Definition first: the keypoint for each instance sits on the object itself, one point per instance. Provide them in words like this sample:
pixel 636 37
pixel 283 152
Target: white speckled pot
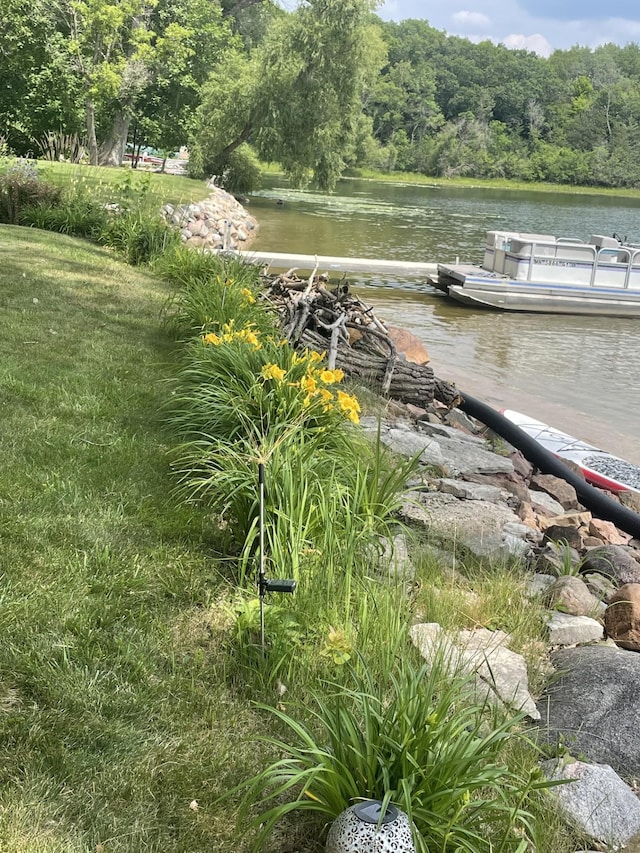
pixel 356 831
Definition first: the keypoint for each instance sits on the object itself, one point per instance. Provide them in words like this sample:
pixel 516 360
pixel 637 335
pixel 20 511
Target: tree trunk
pixel 223 156
pixel 91 131
pixel 112 150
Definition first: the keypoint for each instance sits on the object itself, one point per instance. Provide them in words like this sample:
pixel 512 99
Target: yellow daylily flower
pixel 272 371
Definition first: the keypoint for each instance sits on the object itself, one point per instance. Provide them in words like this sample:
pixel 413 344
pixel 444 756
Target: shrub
pixel 78 217
pixel 22 188
pixel 138 237
pixel 414 739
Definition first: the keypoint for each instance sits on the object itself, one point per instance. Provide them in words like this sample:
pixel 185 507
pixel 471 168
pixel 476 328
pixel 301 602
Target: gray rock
pixel 477 525
pixel 439 430
pixel 463 457
pixel 614 561
pixel 566 630
pixel 456 418
pixel 408 443
pixel 539 584
pixel 571 595
pixel 541 500
pixel 473 491
pixel 594 705
pixel 500 674
pixel 391 559
pixel 597 801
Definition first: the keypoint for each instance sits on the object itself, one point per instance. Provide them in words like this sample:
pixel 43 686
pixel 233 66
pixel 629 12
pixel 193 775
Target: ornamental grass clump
pixel 413 738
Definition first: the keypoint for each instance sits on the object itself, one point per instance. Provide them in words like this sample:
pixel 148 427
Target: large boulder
pixel 594 705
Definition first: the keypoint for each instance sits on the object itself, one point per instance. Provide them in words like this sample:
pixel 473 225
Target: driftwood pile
pixel 333 320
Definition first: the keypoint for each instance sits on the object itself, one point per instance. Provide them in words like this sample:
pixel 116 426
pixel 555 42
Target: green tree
pixel 297 97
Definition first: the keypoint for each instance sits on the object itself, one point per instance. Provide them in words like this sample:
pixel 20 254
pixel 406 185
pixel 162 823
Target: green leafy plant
pixel 414 739
pixel 139 237
pixel 21 188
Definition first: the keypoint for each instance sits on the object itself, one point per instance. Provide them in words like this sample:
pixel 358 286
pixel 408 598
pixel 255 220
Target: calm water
pixel 581 374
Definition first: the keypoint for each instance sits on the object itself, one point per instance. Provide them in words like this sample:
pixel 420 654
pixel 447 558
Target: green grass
pixel 114 715
pixel 101 180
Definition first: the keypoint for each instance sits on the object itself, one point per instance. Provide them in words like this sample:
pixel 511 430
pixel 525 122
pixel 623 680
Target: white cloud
pixel 472 20
pixel 536 43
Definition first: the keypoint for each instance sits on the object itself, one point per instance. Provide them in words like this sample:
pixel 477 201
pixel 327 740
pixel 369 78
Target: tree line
pixel 322 89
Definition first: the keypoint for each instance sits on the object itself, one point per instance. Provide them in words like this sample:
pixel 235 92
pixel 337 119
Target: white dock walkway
pixel 286 261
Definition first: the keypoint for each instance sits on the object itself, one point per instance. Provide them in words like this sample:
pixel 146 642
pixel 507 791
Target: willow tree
pixel 298 96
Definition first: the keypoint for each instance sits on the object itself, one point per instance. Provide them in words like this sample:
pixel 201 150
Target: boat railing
pixel 544 254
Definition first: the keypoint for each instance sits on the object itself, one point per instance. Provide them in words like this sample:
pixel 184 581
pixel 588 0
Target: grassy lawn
pixel 113 707
pixel 102 181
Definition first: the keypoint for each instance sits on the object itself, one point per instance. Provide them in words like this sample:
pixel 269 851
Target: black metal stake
pixel 265 585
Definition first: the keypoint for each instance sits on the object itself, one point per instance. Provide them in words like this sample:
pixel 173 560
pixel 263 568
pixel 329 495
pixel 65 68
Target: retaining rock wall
pixel 218 222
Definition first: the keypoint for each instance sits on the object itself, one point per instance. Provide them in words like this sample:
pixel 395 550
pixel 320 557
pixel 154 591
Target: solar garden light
pixel 365 828
pixel 265 584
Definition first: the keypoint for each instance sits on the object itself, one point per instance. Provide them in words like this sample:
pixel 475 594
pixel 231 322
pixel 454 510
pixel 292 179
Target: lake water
pixel 581 374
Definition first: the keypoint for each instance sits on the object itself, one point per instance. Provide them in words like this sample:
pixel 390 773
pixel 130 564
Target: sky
pixel 538 25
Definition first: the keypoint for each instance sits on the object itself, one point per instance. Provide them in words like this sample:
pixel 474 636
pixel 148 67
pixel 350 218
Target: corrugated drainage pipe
pixel 592 498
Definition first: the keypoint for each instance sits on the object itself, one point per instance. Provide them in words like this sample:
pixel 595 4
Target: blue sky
pixel 539 25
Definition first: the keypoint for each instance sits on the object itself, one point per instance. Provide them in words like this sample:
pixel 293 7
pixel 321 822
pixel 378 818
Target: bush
pixel 77 217
pixel 22 188
pixel 138 237
pixel 414 739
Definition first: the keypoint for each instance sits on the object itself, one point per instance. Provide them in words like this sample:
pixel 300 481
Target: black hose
pixel 592 498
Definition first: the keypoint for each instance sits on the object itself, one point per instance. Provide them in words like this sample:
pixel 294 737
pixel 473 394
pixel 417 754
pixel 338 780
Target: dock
pixel 325 263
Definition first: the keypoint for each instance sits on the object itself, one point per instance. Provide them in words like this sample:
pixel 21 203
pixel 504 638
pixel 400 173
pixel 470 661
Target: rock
pixel 202 224
pixel 570 595
pixel 554 557
pixel 501 675
pixel 408 345
pixel 392 560
pixel 614 561
pixel 511 482
pixel 545 504
pixel 440 430
pixel 521 465
pixel 630 499
pixel 456 418
pixel 559 489
pixel 597 801
pixel 433 642
pixel 566 630
pixel 477 525
pixel 622 617
pixel 608 532
pixel 560 533
pixel 539 584
pixel 593 705
pixel 599 585
pixel 406 442
pixel 567 519
pixel 473 491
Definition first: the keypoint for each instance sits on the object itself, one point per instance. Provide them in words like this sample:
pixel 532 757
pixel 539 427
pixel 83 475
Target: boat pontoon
pixel 540 272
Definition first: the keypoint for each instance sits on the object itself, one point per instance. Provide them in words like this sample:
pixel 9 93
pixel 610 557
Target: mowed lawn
pixel 118 729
